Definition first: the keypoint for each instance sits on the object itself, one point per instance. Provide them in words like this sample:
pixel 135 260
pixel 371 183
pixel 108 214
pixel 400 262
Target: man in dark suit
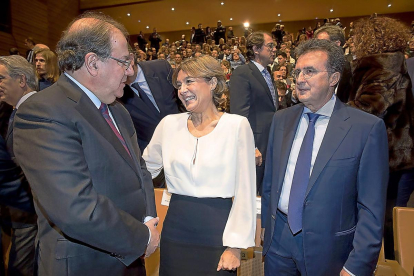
pixel 336 34
pixel 149 96
pixel 253 95
pixel 18 83
pixel 78 149
pixel 326 177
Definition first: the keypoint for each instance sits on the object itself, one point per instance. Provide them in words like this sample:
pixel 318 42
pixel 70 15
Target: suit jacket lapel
pixel 91 114
pixel 258 75
pixel 288 136
pixel 337 129
pixel 154 85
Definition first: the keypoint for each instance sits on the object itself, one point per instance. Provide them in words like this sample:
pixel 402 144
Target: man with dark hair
pixel 336 34
pixel 18 83
pixel 253 95
pixel 78 149
pixel 325 183
pixel 29 43
pixel 200 35
pixel 141 41
pixel 155 40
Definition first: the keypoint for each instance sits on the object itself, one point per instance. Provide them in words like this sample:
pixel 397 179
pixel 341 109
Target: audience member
pixel 14 51
pixel 155 40
pixel 47 70
pixel 220 33
pixel 78 149
pixel 381 86
pixel 200 35
pixel 253 95
pixel 29 43
pixel 18 83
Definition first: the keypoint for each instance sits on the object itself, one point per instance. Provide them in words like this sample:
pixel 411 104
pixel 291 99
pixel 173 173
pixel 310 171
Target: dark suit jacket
pixel 13 182
pixel 343 212
pixel 158 74
pixel 91 197
pixel 410 69
pixel 250 97
pixel 345 83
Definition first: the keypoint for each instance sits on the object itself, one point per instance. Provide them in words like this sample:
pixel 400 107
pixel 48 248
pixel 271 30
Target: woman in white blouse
pixel 209 163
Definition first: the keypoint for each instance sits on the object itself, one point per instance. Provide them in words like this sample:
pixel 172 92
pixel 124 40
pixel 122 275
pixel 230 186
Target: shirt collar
pixel 140 75
pixel 25 97
pixel 258 65
pixel 91 96
pixel 325 110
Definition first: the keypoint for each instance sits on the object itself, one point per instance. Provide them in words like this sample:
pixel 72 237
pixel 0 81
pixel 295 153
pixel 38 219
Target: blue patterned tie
pixel 301 177
pixel 268 79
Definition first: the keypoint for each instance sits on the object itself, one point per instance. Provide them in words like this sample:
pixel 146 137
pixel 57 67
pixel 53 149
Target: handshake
pixel 155 236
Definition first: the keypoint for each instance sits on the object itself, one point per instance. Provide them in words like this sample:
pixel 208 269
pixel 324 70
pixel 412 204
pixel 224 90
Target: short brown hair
pixel 205 67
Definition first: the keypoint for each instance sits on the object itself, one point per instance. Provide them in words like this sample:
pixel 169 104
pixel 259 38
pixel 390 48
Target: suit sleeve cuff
pixel 350 273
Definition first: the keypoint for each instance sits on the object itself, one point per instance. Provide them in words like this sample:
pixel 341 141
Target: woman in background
pixel 382 87
pixel 209 162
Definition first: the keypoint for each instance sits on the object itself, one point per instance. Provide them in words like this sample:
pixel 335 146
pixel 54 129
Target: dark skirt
pixel 192 236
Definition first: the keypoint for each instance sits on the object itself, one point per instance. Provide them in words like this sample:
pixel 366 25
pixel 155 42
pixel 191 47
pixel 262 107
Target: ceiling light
pixel 278 14
pixel 231 18
pixel 128 14
pixel 246 24
pixel 316 18
pixel 280 20
pixel 331 10
pixel 147 27
pixel 139 21
pixel 222 3
pixel 172 9
pixel 187 23
pixel 389 5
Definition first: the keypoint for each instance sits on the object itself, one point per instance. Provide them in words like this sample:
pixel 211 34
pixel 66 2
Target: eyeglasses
pixel 307 73
pixel 270 46
pixel 124 63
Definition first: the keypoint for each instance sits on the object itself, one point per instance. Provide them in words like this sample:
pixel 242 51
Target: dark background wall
pixel 44 20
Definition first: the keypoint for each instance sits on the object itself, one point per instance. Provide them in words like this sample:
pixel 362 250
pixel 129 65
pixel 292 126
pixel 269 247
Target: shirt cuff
pixel 350 273
pixel 146 219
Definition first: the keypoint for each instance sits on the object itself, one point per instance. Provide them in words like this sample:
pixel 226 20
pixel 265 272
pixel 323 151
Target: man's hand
pixel 229 260
pixel 259 158
pixel 344 273
pixel 262 233
pixel 155 236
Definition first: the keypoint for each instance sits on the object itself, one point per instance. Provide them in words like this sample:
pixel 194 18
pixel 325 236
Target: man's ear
pixel 91 63
pixel 256 50
pixel 334 78
pixel 22 81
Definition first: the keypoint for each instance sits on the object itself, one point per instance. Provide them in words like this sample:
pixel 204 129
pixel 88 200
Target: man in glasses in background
pixel 254 96
pixel 78 148
pixel 326 176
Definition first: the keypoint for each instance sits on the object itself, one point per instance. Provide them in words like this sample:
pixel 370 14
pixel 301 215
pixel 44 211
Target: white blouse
pixel 218 164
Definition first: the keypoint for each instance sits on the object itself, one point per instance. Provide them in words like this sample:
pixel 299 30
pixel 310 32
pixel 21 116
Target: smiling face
pixel 314 92
pixel 195 93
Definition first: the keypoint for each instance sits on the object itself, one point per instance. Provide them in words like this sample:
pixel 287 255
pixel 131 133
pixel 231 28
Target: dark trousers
pixel 259 178
pixel 285 255
pixel 400 187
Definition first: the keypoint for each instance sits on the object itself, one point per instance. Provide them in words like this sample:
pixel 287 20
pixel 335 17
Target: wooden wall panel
pixel 44 20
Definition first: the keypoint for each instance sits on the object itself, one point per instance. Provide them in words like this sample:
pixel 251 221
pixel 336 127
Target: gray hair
pixel 18 66
pixel 336 59
pixel 95 37
pixel 205 67
pixel 335 33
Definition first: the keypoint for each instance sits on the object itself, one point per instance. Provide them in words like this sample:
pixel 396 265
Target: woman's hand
pixel 229 260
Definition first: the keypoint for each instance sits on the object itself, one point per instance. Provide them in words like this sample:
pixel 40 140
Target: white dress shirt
pixel 320 129
pixel 220 164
